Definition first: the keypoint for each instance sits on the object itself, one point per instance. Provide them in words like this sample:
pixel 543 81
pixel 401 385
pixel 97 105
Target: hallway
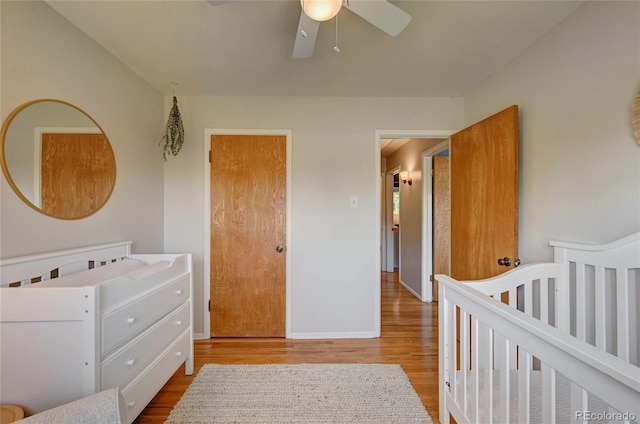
pixel 409 337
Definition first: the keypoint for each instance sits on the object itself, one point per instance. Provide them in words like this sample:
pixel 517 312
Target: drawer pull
pixel 179 292
pixel 179 322
pixel 130 404
pixel 130 362
pixel 131 320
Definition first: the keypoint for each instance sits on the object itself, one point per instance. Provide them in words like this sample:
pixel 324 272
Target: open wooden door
pixel 248 235
pixel 441 218
pixel 484 197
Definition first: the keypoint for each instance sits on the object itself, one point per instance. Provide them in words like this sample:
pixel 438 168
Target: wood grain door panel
pixel 248 222
pixel 78 172
pixel 441 218
pixel 484 196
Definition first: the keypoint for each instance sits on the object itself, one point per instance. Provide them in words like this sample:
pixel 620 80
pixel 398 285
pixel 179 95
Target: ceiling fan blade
pixel 389 18
pixel 303 47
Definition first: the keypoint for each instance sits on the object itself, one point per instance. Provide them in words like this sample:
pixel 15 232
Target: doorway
pixel 210 251
pixel 498 173
pixel 395 221
pixel 390 217
pixel 384 186
pixel 437 207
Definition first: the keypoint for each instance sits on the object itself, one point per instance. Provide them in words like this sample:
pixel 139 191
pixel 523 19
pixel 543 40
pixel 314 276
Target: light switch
pixel 353 202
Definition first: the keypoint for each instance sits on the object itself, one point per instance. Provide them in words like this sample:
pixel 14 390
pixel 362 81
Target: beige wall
pixel 44 56
pixel 161 206
pixel 579 162
pixel 334 248
pixel 580 166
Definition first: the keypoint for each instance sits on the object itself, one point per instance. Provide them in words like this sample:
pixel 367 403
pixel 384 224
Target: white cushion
pixel 106 407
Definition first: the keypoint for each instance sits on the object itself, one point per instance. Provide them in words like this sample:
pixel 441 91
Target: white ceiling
pixel 243 48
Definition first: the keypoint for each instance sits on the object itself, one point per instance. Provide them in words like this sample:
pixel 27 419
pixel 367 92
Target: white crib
pixel 98 317
pixel 549 342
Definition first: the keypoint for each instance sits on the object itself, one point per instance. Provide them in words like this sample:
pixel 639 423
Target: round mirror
pixel 57 159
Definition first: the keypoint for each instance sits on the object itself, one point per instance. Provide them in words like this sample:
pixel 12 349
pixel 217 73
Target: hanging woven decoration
pixel 174 132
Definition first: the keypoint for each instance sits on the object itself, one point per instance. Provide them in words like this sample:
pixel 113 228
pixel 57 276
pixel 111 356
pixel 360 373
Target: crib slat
pixel 504 345
pixel 513 298
pixel 489 368
pixel 453 352
pixel 475 370
pixel 600 309
pixel 447 355
pixel 464 357
pixel 528 298
pixel 548 393
pixel 544 300
pixel 579 401
pixel 581 307
pixel 524 386
pixel 562 298
pixel 623 313
pixel 513 302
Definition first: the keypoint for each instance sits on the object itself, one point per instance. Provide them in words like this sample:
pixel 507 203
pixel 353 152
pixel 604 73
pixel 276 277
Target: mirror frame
pixel 5 168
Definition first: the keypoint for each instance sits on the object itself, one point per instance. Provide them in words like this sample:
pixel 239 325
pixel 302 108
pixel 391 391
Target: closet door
pixel 248 235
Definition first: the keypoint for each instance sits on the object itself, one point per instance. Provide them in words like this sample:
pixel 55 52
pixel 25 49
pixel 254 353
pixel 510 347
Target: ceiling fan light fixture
pixel 321 10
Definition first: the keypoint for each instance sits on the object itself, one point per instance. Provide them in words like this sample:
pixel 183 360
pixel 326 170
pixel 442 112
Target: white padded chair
pixel 106 407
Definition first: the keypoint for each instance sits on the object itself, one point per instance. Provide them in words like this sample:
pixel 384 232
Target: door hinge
pixel 432 172
pixel 209 305
pixel 432 278
pixel 209 156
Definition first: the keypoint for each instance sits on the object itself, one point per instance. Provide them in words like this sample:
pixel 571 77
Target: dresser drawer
pixel 124 364
pixel 141 391
pixel 122 324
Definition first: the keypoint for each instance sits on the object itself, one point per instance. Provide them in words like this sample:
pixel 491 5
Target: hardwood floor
pixel 409 337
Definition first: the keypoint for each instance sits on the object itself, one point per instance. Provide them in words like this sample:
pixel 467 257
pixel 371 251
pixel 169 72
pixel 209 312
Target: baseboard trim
pixel 345 335
pixel 413 292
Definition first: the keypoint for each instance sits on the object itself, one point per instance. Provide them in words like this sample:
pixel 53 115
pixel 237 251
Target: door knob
pixel 504 261
pixel 280 249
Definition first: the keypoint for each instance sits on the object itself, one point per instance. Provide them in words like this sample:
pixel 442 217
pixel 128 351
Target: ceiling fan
pixel 381 13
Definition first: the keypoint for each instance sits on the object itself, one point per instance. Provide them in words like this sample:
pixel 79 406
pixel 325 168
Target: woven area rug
pixel 300 393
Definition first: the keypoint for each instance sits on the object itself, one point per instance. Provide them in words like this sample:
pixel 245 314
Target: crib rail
pixel 520 286
pixel 23 270
pixel 591 292
pixel 602 294
pixel 480 340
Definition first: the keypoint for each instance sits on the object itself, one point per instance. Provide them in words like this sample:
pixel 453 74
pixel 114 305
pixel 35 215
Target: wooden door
pixel 78 172
pixel 441 218
pixel 484 196
pixel 248 233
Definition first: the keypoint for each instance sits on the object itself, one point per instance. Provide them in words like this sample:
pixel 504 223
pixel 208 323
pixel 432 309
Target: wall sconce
pixel 321 10
pixel 404 176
